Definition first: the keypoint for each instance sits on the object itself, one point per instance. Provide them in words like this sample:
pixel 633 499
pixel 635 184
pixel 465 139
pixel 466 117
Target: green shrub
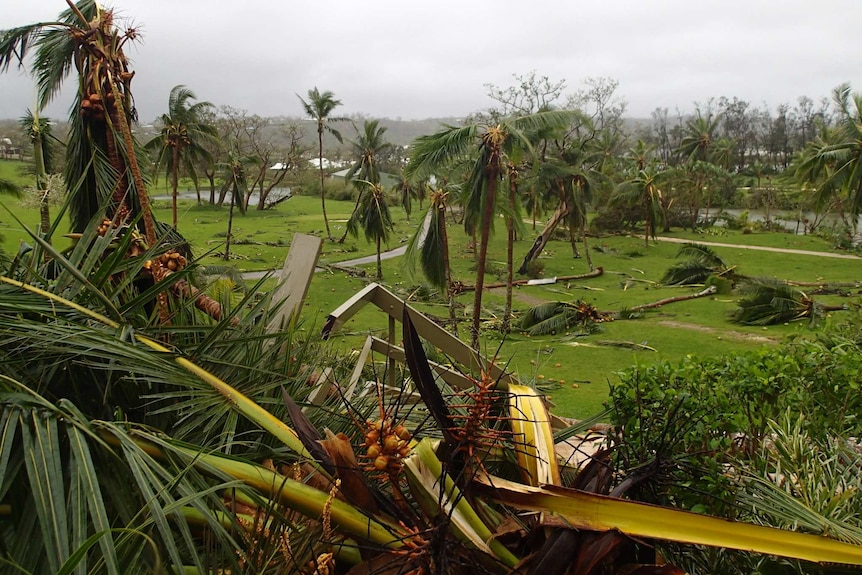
pixel 683 423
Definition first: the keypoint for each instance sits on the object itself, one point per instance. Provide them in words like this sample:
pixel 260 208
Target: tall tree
pixel 180 144
pixel 835 162
pixel 236 184
pixel 319 108
pixel 642 189
pixel 694 149
pixel 489 146
pixel 373 218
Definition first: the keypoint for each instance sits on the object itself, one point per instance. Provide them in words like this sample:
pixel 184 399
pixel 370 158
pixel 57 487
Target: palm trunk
pixel 447 271
pixel 379 266
pixel 535 209
pixel 119 201
pixel 647 223
pixel 573 241
pixel 229 225
pixel 320 167
pixel 211 178
pixel 539 244
pixel 41 183
pixel 174 183
pixel 143 199
pixel 510 246
pixel 586 247
pixel 488 213
pixel 703 293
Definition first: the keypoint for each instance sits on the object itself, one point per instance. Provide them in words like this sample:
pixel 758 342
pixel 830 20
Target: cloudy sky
pixel 419 59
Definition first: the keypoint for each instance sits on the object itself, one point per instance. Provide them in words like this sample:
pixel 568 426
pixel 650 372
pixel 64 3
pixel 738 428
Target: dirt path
pixel 729 334
pixel 761 248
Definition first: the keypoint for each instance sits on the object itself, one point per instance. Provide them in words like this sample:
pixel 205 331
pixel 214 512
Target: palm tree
pixel 319 107
pixel 643 189
pixel 834 162
pixel 493 145
pixel 101 162
pixel 405 191
pixel 236 184
pixel 513 224
pixel 695 146
pixel 181 144
pixel 373 217
pixel 698 137
pixel 38 131
pixel 431 242
pixel 368 146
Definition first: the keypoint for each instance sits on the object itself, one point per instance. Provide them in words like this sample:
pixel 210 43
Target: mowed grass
pixel 574 370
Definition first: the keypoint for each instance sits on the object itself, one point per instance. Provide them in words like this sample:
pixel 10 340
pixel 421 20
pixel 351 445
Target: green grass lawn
pixel 585 364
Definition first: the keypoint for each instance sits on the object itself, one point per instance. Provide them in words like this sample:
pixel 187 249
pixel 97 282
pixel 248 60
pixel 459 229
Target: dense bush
pixel 681 423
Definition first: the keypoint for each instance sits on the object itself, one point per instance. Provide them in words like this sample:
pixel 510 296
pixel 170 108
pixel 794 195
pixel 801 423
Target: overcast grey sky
pixel 419 59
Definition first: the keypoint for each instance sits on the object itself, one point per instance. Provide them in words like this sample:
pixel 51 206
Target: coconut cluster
pixel 169 260
pixel 93 107
pixel 386 445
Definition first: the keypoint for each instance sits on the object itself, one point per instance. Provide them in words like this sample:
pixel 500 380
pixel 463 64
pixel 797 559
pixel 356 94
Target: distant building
pixel 8 151
pixel 327 164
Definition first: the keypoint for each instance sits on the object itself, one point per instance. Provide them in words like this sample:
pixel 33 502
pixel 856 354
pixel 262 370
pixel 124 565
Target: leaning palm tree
pixel 373 218
pixel 319 108
pixel 702 262
pixel 493 144
pixel 770 302
pixel 181 144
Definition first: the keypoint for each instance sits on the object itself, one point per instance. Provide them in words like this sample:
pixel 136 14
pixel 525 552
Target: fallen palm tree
pixel 459 288
pixel 557 317
pixel 707 291
pixel 770 302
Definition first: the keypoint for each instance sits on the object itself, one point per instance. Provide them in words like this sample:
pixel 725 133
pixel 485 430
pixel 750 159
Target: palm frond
pixel 435 151
pixel 769 302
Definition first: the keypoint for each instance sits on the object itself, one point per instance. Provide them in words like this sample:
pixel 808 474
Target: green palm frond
pixel 804 483
pixel 701 253
pixel 702 262
pixel 436 151
pixel 10 188
pixel 770 302
pixel 432 264
pixel 558 317
pixel 688 272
